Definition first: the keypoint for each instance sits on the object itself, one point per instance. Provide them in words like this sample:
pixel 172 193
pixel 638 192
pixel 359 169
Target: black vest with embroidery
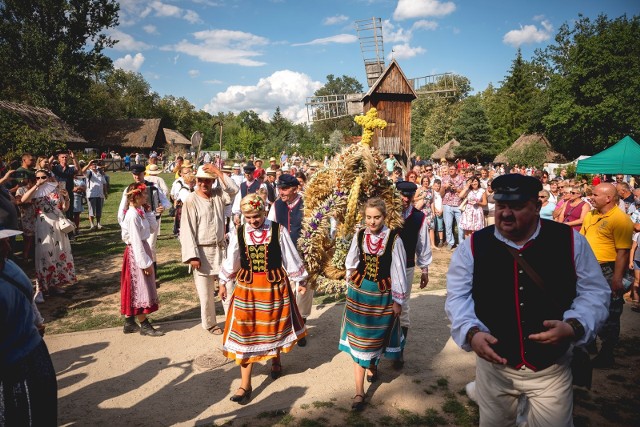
pixel 373 267
pixel 290 219
pixel 409 234
pixel 263 258
pixel 271 192
pixel 510 303
pixel 154 198
pixel 244 189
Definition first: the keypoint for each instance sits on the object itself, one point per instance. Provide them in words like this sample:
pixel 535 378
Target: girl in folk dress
pixel 473 216
pixel 424 201
pixel 376 290
pixel 263 319
pixel 138 295
pixel 54 261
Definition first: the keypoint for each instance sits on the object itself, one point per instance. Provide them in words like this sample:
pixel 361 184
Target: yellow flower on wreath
pixel 369 123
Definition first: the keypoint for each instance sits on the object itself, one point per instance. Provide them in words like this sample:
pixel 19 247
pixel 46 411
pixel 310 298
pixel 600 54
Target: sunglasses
pixel 575 192
pixel 428 170
pixel 42 177
pixel 543 197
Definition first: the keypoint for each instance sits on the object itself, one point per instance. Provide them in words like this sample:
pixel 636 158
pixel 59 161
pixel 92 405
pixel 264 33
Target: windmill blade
pixel 372 47
pixel 435 85
pixel 333 106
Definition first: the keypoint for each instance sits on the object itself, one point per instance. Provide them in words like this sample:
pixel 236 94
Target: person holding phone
pixel 65 172
pixel 53 258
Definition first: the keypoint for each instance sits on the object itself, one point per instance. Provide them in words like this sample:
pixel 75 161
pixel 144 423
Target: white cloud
pixel 423 24
pixel 150 29
pixel 131 11
pixel 125 41
pixel 194 73
pixel 411 9
pixel 285 89
pixel 334 20
pixel 529 34
pixel 340 38
pixel 129 63
pixel 404 51
pixel 223 47
pixel 391 35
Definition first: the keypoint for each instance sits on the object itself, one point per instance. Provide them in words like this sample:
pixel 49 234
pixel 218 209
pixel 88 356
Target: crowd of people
pixel 238 225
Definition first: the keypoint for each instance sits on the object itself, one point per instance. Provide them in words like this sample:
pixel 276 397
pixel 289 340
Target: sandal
pixel 358 405
pixel 215 330
pixel 276 370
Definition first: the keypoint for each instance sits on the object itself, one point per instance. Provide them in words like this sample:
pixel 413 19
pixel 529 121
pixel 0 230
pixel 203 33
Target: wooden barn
pixel 392 95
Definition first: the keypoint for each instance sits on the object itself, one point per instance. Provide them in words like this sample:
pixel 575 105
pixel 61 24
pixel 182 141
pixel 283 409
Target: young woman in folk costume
pixel 376 290
pixel 138 295
pixel 263 319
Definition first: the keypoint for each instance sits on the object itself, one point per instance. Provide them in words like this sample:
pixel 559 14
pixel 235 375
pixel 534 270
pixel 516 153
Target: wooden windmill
pixel 390 92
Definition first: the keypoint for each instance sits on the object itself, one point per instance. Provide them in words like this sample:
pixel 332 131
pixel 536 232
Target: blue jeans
pixel 450 213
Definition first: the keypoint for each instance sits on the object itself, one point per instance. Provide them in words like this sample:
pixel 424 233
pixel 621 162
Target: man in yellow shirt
pixel 609 231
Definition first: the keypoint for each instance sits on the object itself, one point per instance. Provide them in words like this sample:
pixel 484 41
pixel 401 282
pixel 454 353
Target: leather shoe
pixel 358 405
pixel 147 329
pixel 276 370
pixel 243 398
pixel 302 342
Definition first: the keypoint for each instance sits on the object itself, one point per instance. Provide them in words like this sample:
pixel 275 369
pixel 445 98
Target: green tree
pixel 594 85
pixel 50 49
pixel 471 129
pixel 18 138
pixel 338 86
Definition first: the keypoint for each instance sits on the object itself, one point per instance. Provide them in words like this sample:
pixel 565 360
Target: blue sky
pixel 234 55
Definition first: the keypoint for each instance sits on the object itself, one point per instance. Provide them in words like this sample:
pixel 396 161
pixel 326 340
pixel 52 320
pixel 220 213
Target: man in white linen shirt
pixel 202 236
pixel 522 318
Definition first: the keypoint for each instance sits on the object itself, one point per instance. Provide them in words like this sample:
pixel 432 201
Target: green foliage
pixel 594 88
pixel 338 86
pixel 18 138
pixel 50 50
pixel 471 129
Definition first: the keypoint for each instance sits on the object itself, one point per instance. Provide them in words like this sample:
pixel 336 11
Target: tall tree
pixel 594 89
pixel 51 48
pixel 338 86
pixel 471 129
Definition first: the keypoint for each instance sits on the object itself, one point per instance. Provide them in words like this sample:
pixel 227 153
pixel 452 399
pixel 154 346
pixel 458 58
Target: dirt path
pixel 107 378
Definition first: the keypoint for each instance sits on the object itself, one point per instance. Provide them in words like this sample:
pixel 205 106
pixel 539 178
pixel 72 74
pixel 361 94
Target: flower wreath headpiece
pixel 139 189
pixel 252 203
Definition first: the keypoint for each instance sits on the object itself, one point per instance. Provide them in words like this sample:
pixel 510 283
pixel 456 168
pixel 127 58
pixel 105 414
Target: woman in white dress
pixel 53 258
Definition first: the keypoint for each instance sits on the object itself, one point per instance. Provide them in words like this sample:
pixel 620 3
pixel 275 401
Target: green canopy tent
pixel 623 157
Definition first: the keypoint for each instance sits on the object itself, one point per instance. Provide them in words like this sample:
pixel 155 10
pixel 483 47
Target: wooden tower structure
pixel 391 94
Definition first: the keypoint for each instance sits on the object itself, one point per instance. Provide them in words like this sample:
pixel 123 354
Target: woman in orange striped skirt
pixel 376 291
pixel 263 319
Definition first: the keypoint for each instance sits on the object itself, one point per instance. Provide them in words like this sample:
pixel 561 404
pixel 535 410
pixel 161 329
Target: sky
pixel 235 55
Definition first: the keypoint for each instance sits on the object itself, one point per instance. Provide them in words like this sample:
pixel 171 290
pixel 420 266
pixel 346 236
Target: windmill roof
pixel 385 74
pixel 175 137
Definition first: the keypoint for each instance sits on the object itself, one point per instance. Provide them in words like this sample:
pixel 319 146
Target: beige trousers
pixel 549 393
pixel 404 316
pixel 304 302
pixel 206 286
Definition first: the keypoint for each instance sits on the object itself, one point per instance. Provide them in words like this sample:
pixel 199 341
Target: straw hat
pixel 153 170
pixel 204 174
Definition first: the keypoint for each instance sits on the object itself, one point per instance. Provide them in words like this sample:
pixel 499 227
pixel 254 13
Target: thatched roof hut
pixel 447 151
pixel 133 134
pixel 175 141
pixel 44 120
pixel 530 142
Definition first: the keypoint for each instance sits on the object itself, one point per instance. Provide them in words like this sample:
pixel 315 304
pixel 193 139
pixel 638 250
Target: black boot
pixel 147 329
pixel 130 325
pixel 303 341
pixel 399 364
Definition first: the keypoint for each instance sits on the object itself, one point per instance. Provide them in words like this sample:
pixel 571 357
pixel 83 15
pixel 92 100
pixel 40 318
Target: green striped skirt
pixel 369 328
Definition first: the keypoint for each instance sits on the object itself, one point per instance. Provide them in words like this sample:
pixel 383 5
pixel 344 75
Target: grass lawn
pixel 94 302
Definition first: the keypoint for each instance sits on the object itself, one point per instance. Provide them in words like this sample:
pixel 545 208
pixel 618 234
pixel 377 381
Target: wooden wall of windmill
pixel 392 95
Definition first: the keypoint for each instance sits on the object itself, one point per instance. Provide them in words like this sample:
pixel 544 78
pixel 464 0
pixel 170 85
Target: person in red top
pixel 596 180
